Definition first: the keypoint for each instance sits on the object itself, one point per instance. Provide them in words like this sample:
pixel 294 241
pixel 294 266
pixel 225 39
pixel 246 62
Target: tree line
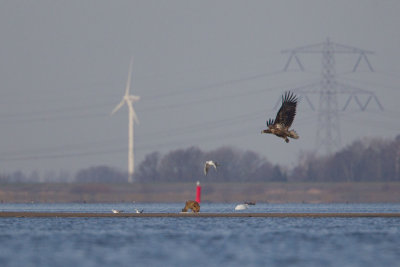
pixel 187 165
pixel 362 161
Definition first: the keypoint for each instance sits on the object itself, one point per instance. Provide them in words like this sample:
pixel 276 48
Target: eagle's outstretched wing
pixel 270 122
pixel 206 167
pixel 287 112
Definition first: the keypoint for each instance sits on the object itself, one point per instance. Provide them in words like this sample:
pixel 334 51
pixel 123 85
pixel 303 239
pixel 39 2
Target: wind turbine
pixel 129 99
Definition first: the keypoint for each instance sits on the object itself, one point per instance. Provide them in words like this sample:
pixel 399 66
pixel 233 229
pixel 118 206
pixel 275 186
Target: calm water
pixel 200 241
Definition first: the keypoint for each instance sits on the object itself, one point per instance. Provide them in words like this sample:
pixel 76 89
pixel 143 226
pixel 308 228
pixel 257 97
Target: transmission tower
pixel 328 89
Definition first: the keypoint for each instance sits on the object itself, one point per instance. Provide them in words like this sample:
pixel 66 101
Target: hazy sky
pixel 208 73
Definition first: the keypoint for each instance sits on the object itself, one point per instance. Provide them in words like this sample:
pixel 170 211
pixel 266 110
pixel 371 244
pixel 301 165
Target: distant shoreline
pixel 372 192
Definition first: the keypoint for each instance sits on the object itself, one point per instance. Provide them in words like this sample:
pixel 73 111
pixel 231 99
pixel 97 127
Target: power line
pixel 219 98
pixel 38 154
pixel 214 85
pixel 49 115
pixel 374 84
pixel 53 118
pixel 53 111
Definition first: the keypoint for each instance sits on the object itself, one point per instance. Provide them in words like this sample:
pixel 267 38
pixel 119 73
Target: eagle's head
pixel 266 131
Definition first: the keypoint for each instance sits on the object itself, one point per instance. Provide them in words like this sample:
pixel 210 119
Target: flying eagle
pixel 208 164
pixel 284 118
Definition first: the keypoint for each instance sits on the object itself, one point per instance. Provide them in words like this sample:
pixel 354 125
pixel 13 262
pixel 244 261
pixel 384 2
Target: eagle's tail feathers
pixel 293 134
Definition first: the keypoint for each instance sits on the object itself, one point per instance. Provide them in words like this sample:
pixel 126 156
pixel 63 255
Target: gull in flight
pixel 208 164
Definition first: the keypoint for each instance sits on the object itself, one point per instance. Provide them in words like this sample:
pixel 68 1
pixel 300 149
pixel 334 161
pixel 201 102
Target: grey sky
pixel 64 64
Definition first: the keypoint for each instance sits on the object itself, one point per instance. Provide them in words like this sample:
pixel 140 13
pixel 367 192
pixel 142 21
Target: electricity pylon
pixel 328 89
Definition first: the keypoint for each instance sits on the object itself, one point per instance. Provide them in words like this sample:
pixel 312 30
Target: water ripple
pixel 203 241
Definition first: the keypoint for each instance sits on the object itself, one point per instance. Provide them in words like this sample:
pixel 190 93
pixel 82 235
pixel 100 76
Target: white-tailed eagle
pixel 284 119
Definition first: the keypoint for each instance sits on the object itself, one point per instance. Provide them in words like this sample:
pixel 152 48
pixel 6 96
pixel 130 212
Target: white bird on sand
pixel 208 164
pixel 241 207
pixel 139 211
pixel 116 211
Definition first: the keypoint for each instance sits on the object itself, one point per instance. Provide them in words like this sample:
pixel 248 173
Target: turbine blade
pixel 128 82
pixel 118 107
pixel 135 116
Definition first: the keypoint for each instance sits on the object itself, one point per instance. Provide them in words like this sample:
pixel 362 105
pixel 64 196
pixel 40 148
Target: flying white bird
pixel 208 164
pixel 241 207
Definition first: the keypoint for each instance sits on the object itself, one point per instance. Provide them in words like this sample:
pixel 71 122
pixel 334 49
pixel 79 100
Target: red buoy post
pixel 198 192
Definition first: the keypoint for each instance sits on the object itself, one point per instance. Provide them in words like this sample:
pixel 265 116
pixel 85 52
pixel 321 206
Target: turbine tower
pixel 129 99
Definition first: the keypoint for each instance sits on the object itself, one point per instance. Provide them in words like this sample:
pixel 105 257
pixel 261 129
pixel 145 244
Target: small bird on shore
pixel 241 207
pixel 116 211
pixel 139 211
pixel 284 118
pixel 208 164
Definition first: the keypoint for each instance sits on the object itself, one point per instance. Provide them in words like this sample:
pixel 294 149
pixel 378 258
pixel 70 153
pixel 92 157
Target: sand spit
pixel 206 214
